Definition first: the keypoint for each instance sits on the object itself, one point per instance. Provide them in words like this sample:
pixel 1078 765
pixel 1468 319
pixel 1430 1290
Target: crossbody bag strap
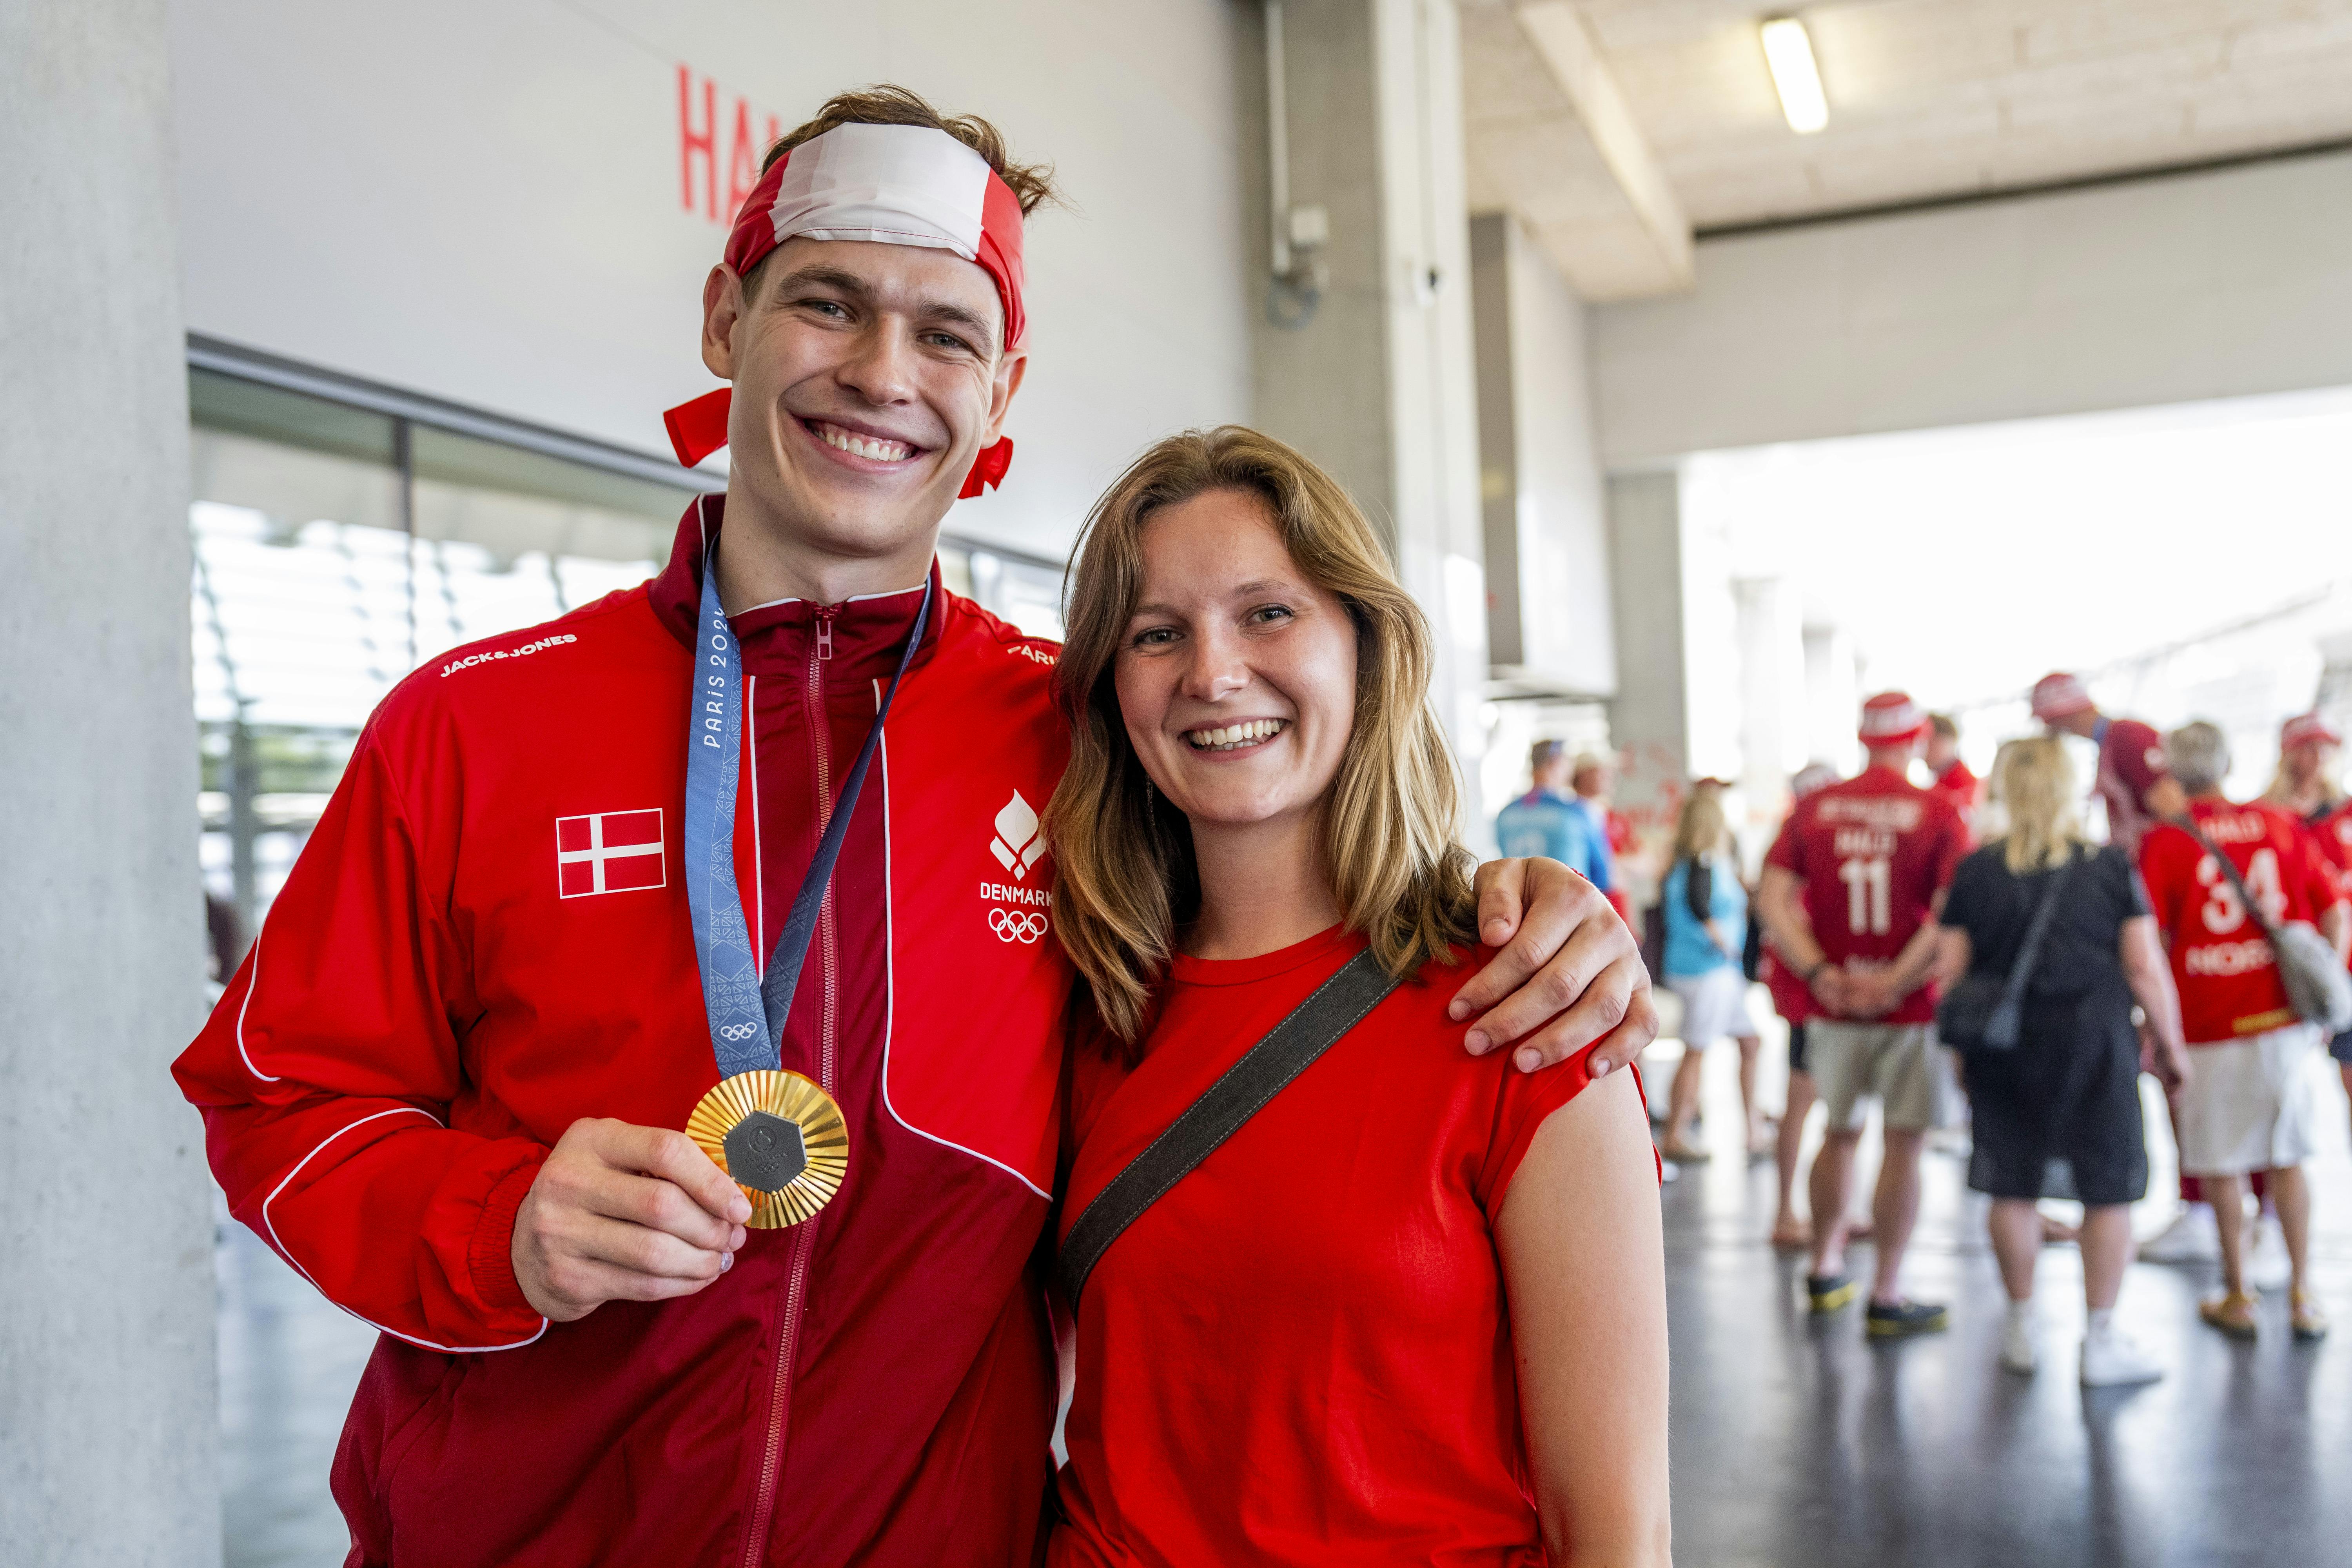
pixel 1289 1048
pixel 2021 971
pixel 2246 900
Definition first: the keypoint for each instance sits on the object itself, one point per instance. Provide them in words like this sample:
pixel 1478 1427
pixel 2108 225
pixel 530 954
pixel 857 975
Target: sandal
pixel 2310 1322
pixel 2233 1312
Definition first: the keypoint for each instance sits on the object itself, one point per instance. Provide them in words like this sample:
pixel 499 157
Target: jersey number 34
pixel 2222 911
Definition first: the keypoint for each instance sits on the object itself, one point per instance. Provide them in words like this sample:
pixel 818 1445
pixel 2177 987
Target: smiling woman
pixel 1341 654
pixel 1344 1294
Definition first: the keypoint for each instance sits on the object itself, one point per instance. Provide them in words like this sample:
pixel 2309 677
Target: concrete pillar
pixel 1772 703
pixel 1649 718
pixel 1377 384
pixel 1549 627
pixel 109 1421
pixel 1832 698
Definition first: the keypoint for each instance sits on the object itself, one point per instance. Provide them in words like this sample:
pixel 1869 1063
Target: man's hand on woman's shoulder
pixel 1568 973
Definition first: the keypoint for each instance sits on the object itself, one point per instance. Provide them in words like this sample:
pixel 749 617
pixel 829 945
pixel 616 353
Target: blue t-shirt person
pixel 1603 869
pixel 1547 821
pixel 1688 950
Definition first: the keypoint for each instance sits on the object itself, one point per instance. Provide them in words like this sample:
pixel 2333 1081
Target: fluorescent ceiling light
pixel 1788 51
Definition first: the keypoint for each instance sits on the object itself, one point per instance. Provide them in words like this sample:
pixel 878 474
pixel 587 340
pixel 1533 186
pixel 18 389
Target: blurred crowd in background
pixel 1993 965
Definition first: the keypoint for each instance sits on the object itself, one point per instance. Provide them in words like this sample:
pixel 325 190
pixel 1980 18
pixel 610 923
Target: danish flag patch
pixel 608 852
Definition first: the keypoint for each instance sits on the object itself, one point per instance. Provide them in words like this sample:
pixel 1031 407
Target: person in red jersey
pixel 1850 894
pixel 2248 1104
pixel 2132 779
pixel 2133 783
pixel 1411 1310
pixel 2306 787
pixel 1949 776
pixel 448 1082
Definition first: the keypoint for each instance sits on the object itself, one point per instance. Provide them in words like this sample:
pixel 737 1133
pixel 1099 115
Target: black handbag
pixel 1987 1013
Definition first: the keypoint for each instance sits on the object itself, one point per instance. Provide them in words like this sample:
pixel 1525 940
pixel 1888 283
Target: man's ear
pixel 1005 383
pixel 722 307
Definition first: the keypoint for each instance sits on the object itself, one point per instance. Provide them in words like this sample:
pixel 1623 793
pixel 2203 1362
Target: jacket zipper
pixel 780 1395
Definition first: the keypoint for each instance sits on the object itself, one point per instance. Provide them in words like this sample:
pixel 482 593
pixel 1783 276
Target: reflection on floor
pixel 1796 1443
pixel 289 1362
pixel 1802 1444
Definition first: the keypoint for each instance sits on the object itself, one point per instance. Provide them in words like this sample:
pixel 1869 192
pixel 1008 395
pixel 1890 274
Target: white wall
pixel 480 199
pixel 2163 290
pixel 1563 536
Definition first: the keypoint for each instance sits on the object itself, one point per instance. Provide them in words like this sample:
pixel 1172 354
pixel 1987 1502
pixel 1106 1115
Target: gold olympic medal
pixel 779 1137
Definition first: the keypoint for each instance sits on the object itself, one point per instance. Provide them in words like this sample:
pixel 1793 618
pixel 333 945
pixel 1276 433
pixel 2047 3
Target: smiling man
pixel 511 1002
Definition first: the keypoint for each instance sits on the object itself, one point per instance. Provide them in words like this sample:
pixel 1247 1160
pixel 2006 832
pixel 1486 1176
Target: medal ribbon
pixel 747 1011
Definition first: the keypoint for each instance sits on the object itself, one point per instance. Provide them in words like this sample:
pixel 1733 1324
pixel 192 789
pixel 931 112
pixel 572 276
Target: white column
pixel 1377 384
pixel 1772 702
pixel 109 1421
pixel 1548 624
pixel 1832 698
pixel 1650 717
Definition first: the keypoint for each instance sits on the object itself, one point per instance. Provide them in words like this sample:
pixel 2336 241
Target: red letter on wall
pixel 688 143
pixel 742 160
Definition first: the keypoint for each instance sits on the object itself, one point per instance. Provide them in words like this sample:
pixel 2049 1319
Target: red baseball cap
pixel 2057 695
pixel 1891 718
pixel 2304 728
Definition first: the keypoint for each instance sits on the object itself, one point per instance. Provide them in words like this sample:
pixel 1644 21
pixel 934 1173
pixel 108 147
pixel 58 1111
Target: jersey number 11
pixel 1869 894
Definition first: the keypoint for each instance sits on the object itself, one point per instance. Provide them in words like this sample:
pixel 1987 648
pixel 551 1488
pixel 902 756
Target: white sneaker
pixel 2191 1238
pixel 2113 1359
pixel 2268 1268
pixel 2018 1351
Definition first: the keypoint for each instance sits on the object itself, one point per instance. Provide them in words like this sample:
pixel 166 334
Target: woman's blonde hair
pixel 1124 874
pixel 2281 792
pixel 1700 830
pixel 2033 781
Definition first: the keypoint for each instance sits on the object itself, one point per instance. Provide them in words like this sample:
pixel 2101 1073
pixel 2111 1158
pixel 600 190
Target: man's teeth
pixel 1233 736
pixel 872 447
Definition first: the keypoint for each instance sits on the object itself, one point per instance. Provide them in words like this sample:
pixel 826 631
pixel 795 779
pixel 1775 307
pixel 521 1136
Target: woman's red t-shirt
pixel 1302 1353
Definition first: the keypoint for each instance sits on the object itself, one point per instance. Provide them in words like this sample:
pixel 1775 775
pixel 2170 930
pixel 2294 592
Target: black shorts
pixel 1797 1047
pixel 2340 1047
pixel 2059 1116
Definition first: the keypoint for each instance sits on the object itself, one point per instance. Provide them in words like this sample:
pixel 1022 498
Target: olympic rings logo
pixel 1016 925
pixel 738 1031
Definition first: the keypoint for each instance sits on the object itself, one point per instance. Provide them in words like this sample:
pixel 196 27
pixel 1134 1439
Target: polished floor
pixel 1797 1444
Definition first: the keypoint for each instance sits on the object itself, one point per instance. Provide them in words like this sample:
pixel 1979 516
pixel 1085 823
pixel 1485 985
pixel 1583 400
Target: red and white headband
pixel 896 184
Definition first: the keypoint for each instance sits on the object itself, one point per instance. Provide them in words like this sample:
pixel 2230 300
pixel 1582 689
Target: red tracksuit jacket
pixel 487 938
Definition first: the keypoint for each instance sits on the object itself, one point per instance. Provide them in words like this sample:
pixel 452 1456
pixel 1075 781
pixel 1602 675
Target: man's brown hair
pixel 885 103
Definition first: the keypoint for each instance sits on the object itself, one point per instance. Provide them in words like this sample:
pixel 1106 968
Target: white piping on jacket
pixel 269 1226
pixel 252 983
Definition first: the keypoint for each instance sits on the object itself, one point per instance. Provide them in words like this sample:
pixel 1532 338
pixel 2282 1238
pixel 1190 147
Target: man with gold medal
pixel 735 875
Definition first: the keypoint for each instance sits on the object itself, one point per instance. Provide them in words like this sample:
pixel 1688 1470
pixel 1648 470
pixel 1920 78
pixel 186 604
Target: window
pixel 345 535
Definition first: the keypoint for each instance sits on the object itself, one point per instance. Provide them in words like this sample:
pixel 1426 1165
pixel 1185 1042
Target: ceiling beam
pixel 1557 31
